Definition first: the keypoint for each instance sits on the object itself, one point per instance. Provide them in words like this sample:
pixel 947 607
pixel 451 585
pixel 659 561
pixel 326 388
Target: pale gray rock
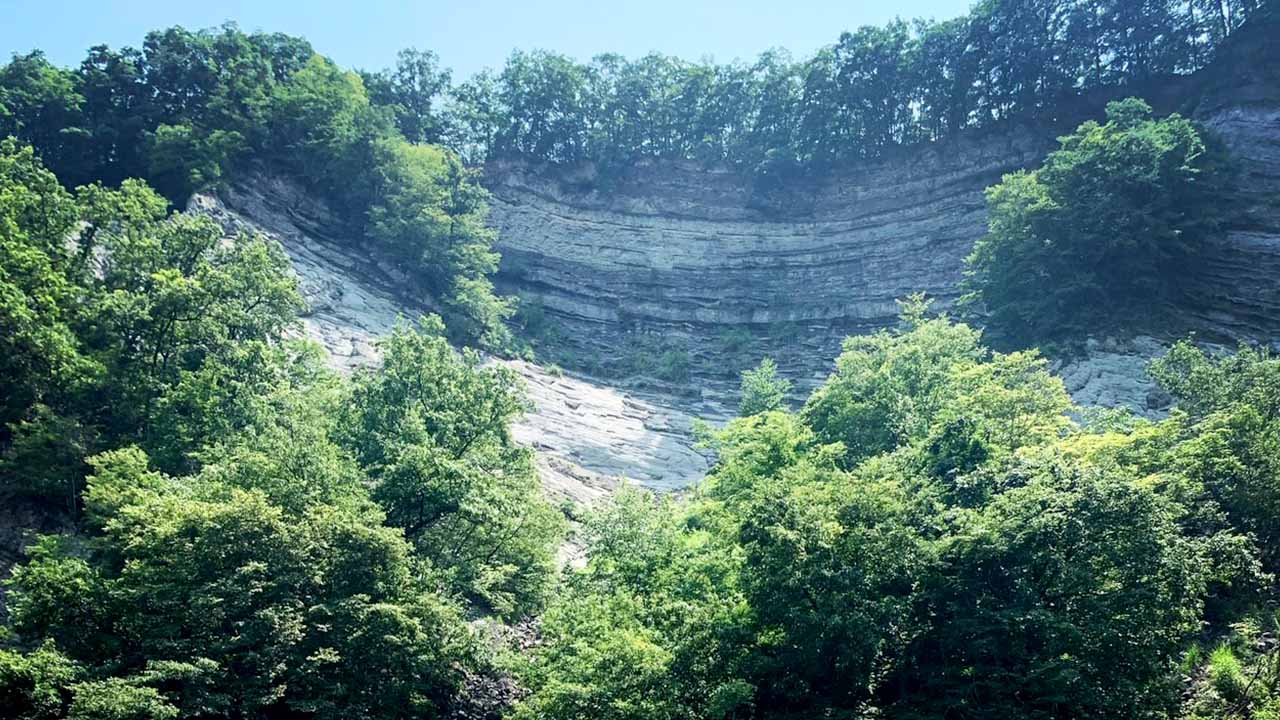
pixel 1112 373
pixel 589 437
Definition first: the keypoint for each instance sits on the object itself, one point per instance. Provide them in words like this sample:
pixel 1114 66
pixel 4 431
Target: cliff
pixel 587 434
pixel 690 255
pixel 681 258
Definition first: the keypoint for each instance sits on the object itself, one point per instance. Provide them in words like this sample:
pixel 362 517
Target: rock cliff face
pixel 686 258
pixel 680 250
pixel 688 254
pixel 588 435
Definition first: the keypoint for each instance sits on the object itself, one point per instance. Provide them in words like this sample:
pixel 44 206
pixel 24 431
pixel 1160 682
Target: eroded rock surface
pixel 683 252
pixel 695 257
pixel 588 436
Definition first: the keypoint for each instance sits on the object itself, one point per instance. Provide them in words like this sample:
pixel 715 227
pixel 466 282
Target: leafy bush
pixel 762 390
pixel 1109 226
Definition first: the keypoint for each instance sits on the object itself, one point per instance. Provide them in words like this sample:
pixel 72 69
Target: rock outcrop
pixel 681 251
pixel 692 257
pixel 588 436
pixel 687 253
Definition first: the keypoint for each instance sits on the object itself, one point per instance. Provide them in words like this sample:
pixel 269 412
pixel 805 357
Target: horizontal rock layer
pixel 687 254
pixel 587 435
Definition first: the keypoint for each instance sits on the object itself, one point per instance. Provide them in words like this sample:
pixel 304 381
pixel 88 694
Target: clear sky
pixel 467 34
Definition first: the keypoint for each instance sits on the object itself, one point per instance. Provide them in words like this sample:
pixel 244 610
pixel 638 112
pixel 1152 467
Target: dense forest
pixel 936 531
pixel 181 109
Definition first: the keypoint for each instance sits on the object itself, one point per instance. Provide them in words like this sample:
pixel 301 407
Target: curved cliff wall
pixel 686 254
pixel 681 251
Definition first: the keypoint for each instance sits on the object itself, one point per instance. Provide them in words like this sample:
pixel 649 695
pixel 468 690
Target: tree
pixel 1068 596
pixel 39 280
pixel 431 428
pixel 200 598
pixel 762 390
pixel 830 571
pixel 1115 218
pixel 42 106
pixel 431 219
pixel 187 326
pixel 1232 435
pixel 324 128
pixel 412 89
pixel 888 386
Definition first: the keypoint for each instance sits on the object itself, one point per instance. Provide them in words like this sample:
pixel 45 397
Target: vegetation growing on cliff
pixel 874 89
pixel 1110 226
pixel 934 533
pixel 191 109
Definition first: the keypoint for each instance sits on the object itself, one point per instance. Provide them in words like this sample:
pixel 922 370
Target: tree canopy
pixel 933 535
pixel 1116 218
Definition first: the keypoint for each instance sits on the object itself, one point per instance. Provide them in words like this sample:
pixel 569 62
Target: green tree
pixel 40 278
pixel 431 428
pixel 1232 435
pixel 412 88
pixel 187 325
pixel 762 390
pixel 42 106
pixel 210 599
pixel 431 219
pixel 1115 218
pixel 1068 596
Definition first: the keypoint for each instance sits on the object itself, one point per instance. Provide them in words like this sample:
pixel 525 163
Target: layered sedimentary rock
pixel 684 252
pixel 698 260
pixel 588 436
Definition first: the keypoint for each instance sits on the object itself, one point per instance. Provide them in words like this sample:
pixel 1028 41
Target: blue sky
pixel 468 35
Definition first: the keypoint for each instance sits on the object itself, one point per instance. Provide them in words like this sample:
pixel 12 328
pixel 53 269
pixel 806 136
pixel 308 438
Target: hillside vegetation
pixel 936 531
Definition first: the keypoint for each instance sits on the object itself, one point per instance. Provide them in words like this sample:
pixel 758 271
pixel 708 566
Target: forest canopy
pixel 191 109
pixel 932 535
pixel 249 533
pixel 229 529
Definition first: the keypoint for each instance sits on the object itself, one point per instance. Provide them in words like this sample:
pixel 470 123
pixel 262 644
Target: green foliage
pixel 1113 219
pixel 256 536
pixel 411 89
pixel 42 105
pixel 762 390
pixel 181 161
pixel 892 389
pixel 931 536
pixel 1074 590
pixel 431 430
pixel 117 699
pixel 1225 674
pixel 35 685
pixel 326 130
pixel 649 629
pixel 431 219
pixel 126 325
pixel 39 275
pixel 649 354
pixel 1233 448
pixel 222 600
pixel 194 110
pixel 872 90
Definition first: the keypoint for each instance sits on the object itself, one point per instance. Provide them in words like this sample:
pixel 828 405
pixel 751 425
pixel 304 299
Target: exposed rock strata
pixel 682 252
pixel 688 255
pixel 588 436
